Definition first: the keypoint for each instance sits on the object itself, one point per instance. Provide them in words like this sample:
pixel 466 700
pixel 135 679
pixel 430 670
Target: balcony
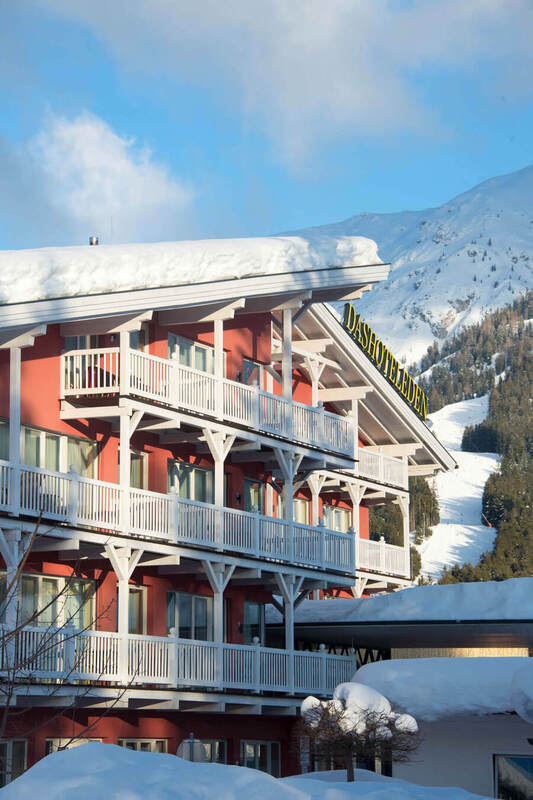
pixel 382 558
pixel 46 653
pixel 382 469
pixel 94 373
pixel 95 504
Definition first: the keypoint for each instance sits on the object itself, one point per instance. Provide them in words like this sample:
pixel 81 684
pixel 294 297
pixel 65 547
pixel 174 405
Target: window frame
pixel 64 439
pixel 60 613
pixel 261 607
pixel 262 485
pixel 257 743
pixel 335 510
pixel 122 742
pixel 173 480
pixel 209 615
pixel 7 774
pixel 495 758
pixel 212 743
pixel 174 353
pixel 53 743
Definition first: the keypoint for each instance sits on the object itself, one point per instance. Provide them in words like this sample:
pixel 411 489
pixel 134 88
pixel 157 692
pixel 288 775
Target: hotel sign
pixel 382 358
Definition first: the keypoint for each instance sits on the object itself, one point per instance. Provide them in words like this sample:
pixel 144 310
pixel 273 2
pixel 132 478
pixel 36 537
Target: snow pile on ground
pixel 108 772
pixel 433 688
pixel 491 600
pixel 449 264
pixel 460 536
pixel 66 271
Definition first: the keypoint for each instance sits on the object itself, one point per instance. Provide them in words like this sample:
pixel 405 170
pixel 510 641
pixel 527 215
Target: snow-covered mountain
pixel 460 536
pixel 448 265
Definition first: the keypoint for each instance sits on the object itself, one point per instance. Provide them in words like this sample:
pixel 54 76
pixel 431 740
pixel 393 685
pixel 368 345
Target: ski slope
pixel 460 536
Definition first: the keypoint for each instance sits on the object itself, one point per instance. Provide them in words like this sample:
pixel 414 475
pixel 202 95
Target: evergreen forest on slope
pixel 492 356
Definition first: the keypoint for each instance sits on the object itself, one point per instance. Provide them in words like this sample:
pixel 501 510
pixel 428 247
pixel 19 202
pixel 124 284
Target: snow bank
pixel 460 536
pixel 66 271
pixel 115 773
pixel 493 600
pixel 432 688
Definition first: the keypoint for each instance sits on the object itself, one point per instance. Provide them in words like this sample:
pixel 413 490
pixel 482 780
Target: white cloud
pixel 78 177
pixel 308 70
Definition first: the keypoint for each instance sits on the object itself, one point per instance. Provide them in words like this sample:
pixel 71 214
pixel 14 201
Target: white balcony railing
pixel 45 653
pixel 97 372
pixel 67 497
pixel 381 468
pixel 382 558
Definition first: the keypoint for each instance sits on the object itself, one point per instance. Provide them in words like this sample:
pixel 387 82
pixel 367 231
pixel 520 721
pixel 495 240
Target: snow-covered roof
pixel 433 688
pixel 40 274
pixel 494 600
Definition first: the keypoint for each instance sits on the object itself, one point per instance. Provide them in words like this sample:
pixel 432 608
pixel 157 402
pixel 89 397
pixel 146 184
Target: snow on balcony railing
pixel 67 497
pixel 381 468
pixel 69 655
pixel 96 372
pixel 382 558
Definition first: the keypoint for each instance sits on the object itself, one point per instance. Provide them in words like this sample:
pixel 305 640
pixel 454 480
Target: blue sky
pixel 164 119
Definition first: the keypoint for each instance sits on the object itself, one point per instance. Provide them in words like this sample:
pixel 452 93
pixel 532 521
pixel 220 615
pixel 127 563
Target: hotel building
pixel 173 457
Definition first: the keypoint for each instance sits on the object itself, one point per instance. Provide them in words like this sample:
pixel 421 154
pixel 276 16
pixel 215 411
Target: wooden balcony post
pixel 355 417
pixel 354 543
pixel 256 669
pixel 124 473
pixel 12 549
pixel 173 661
pixel 73 493
pixel 219 576
pixel 219 366
pixel 286 355
pixel 123 560
pixel 69 642
pixel 404 508
pixel 323 669
pixel 124 363
pixel 290 590
pixel 14 429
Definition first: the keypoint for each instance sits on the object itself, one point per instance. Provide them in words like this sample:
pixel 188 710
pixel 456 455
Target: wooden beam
pixel 341 393
pixel 20 337
pixel 407 449
pixel 201 313
pixel 280 302
pixel 105 325
pixel 311 345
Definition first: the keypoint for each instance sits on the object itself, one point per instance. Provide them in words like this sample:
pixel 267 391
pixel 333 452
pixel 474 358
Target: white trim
pixel 63 309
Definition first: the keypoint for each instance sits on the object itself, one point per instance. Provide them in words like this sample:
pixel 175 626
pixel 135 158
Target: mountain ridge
pixel 449 264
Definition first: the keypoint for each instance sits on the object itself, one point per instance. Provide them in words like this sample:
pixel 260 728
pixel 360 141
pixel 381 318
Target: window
pixel 136 610
pixel 53 745
pixel 12 759
pixel 213 751
pixel 4 439
pixel 254 621
pixel 57 601
pixel 191 354
pixel 81 342
pixel 191 482
pixel 58 452
pixel 301 510
pixel 191 615
pixel 336 519
pixel 252 373
pixel 261 755
pixel 138 470
pixel 139 339
pixel 145 745
pixel 513 777
pixel 254 495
